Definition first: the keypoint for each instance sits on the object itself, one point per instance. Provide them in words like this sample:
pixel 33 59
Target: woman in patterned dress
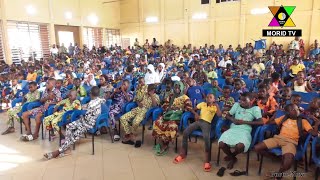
pixel 165 128
pixel 120 97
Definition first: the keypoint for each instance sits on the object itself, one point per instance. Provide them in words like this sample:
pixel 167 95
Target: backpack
pixel 299 124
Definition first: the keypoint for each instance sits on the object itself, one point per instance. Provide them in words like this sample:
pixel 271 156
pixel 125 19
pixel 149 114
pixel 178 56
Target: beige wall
pixel 227 23
pixel 53 11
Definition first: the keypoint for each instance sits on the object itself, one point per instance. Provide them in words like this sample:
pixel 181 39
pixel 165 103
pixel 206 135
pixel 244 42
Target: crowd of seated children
pixel 134 74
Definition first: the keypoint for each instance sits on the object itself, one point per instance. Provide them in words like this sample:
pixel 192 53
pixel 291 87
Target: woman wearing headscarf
pixel 165 128
pixel 160 72
pixel 151 76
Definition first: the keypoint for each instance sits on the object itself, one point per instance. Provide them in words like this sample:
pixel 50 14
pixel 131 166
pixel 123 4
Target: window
pixel 2 58
pixel 220 1
pixel 92 37
pixel 28 40
pixel 112 37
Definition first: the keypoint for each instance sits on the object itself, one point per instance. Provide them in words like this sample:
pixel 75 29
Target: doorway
pixel 67 35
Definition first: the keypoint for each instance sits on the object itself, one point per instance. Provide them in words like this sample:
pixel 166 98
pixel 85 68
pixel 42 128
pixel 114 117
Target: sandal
pixel 137 144
pixel 27 138
pixel 178 159
pixel 163 152
pixel 63 155
pixel 116 137
pixel 238 173
pixel 157 148
pixel 207 167
pixel 220 172
pixel 48 156
pixel 130 142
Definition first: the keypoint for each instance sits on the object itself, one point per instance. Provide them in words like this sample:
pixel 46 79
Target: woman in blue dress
pixel 242 115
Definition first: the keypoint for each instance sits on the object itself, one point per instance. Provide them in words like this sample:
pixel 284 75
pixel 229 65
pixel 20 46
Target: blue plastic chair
pixel 198 133
pixel 315 158
pixel 254 133
pixel 145 120
pixel 102 121
pixel 307 97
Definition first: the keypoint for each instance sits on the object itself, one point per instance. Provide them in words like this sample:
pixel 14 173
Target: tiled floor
pixel 20 160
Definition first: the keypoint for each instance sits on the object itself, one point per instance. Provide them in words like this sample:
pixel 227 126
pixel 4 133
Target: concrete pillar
pixel 243 8
pixel 163 38
pixel 3 26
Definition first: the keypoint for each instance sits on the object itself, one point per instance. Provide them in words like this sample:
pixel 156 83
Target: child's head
pixel 59 83
pixel 14 82
pixel 245 100
pixel 177 89
pixel 229 66
pixel 300 75
pixel 292 110
pixel 287 91
pixel 210 99
pixel 315 103
pixel 31 69
pixel 51 83
pixel 95 91
pixel 275 77
pixel 262 91
pixel 32 86
pixel 226 91
pixel 295 99
pixel 125 84
pixel 168 84
pixel 151 88
pixel 237 84
pixel 141 81
pixel 72 95
pixel 214 82
pixel 77 82
pixel 190 82
pixel 103 80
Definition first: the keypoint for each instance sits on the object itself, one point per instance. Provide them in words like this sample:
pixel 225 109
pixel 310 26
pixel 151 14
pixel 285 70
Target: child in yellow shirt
pixel 203 121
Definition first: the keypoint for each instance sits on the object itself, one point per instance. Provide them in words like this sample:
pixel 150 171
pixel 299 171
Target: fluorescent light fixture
pixel 151 19
pixel 257 11
pixel 199 16
pixel 93 19
pixel 68 15
pixel 30 10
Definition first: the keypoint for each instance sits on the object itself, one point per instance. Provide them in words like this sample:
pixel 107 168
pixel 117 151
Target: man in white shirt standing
pixel 54 51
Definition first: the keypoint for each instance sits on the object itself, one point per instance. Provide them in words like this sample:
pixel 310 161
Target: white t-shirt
pixel 224 63
pixel 54 50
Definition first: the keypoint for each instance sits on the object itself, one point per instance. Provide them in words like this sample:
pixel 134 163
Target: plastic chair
pixel 101 121
pixel 307 97
pixel 145 120
pixel 186 121
pixel 254 133
pixel 315 158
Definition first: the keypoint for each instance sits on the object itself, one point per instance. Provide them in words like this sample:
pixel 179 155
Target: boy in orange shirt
pixel 32 76
pixel 291 128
